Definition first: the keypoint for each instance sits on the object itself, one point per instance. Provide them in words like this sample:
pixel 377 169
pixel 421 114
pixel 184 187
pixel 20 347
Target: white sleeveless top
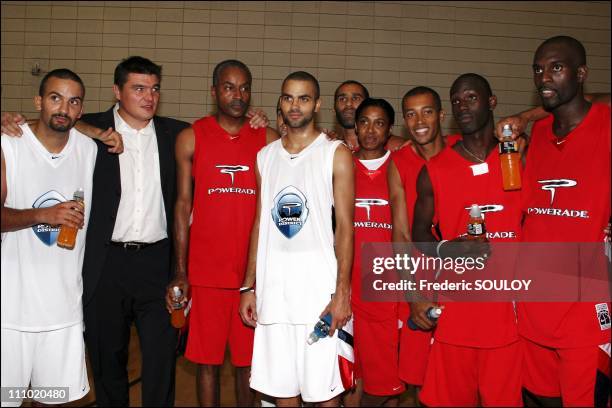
pixel 296 262
pixel 41 282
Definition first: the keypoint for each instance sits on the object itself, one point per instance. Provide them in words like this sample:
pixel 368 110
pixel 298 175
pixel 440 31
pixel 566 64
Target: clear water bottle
pixel 433 313
pixel 322 328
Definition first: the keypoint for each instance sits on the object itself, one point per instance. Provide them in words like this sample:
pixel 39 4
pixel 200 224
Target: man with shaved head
pixel 474 361
pixel 566 343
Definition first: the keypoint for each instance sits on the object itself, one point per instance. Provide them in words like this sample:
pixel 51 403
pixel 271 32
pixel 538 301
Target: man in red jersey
pixel 216 182
pixel 423 114
pixel 568 167
pixel 347 98
pixel 475 358
pixel 375 323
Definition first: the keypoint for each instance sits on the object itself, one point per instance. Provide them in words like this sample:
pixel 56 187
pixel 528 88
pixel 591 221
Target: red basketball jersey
pixel 409 165
pixel 567 199
pixel 457 184
pixel 372 223
pixel 223 202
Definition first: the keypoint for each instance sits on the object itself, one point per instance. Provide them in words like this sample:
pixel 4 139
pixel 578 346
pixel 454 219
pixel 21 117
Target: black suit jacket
pixel 107 193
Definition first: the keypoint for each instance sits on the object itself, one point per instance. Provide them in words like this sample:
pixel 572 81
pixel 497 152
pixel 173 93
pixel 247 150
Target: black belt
pixel 134 246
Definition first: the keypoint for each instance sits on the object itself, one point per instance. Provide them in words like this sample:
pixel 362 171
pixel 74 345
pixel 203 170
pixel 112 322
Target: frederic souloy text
pixel 477 285
pixel 413 263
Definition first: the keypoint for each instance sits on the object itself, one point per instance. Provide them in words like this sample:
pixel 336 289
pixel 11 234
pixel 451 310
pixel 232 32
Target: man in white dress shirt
pixel 129 247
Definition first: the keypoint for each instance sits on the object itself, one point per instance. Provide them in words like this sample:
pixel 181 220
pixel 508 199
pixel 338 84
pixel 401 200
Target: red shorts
pixel 567 373
pixel 376 354
pixel 214 321
pixel 415 346
pixel 467 376
pixel 414 350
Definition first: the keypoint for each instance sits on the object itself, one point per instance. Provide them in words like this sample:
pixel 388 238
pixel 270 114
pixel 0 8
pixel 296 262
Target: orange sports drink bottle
pixel 177 319
pixel 476 226
pixel 510 161
pixel 67 235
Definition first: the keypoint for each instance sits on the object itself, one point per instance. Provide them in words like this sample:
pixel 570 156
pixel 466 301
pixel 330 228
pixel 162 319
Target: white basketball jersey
pixel 41 282
pixel 296 262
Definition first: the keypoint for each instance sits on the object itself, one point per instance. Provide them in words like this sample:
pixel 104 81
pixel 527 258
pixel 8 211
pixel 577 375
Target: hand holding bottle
pixel 177 319
pixel 68 231
pixel 424 315
pixel 181 283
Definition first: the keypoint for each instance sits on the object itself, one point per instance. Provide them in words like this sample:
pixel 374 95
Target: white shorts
pixel 285 365
pixel 53 358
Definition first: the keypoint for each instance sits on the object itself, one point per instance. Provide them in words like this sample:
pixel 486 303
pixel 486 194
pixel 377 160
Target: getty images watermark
pixel 535 272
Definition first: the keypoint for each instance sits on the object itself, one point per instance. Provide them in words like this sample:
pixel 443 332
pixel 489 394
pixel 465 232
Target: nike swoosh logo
pixel 332 390
pixel 55 157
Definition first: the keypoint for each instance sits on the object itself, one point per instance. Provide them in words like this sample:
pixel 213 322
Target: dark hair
pixel 570 42
pixel 62 73
pixel 366 93
pixel 304 76
pixel 135 65
pixel 474 78
pixel 226 64
pixel 380 103
pixel 423 90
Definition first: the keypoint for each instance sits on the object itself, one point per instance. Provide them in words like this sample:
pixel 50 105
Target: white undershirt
pixel 374 164
pixel 141 214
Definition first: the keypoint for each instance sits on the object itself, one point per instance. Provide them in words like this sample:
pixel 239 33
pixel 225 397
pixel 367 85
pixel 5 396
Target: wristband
pixel 246 289
pixel 438 247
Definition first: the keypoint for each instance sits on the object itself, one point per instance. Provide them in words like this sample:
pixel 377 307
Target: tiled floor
pixel 185 383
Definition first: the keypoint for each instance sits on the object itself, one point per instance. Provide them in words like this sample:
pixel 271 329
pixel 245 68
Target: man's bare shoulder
pixel 342 154
pixel 271 135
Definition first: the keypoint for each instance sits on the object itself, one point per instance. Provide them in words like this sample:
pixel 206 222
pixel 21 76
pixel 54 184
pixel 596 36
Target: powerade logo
pixel 46 233
pixel 367 203
pixel 231 169
pixel 552 185
pixel 290 211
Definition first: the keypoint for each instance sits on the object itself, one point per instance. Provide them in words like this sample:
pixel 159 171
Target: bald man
pixel 565 343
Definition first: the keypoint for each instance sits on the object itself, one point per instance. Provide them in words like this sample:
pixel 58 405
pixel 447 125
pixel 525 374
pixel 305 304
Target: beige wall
pixel 390 46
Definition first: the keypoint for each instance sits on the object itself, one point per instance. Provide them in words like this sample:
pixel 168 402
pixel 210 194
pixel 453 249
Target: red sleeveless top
pixel 372 223
pixel 223 202
pixel 456 188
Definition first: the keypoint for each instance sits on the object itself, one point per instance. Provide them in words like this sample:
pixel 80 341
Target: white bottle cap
pixel 436 312
pixel 176 291
pixel 507 130
pixel 313 338
pixel 475 211
pixel 79 194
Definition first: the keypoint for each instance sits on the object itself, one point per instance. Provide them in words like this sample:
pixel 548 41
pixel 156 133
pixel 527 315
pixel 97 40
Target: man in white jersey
pixel 299 277
pixel 42 318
